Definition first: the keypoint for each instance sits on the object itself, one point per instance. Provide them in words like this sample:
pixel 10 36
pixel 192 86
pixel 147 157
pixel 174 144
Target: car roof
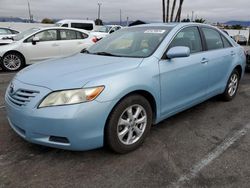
pixel 79 21
pixel 173 24
pixel 65 28
pixel 8 28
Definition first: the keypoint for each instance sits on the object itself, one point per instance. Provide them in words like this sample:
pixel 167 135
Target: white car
pixel 88 25
pixel 6 35
pixel 103 31
pixel 39 44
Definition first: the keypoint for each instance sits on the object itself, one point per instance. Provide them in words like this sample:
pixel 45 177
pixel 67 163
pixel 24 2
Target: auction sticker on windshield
pixel 155 31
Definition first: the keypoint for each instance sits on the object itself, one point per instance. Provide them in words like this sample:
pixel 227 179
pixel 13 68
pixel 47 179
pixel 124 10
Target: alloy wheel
pixel 132 124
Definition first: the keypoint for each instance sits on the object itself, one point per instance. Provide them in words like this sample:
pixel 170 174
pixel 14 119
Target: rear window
pixel 85 26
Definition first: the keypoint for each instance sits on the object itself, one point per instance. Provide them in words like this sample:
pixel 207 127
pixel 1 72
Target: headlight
pixel 74 96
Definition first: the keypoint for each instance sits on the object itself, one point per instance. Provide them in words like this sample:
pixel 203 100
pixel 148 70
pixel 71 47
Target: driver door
pixel 47 47
pixel 184 80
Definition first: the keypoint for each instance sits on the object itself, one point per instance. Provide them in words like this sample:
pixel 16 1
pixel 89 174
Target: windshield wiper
pixel 106 54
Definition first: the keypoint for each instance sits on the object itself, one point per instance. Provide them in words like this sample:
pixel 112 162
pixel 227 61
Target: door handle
pixel 233 53
pixel 204 61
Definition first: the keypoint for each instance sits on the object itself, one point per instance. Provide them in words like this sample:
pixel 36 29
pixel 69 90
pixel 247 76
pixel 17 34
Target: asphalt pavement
pixel 205 146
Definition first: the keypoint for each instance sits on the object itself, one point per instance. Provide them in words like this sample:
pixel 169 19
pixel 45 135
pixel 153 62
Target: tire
pixel 12 61
pixel 131 126
pixel 232 86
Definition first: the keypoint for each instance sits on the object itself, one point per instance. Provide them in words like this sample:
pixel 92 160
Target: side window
pixel 226 43
pixel 4 32
pixel 47 35
pixel 189 37
pixel 67 35
pixel 80 35
pixel 14 32
pixel 65 25
pixel 85 26
pixel 213 39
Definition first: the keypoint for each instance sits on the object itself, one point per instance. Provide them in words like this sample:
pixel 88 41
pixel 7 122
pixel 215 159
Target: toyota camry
pixel 113 92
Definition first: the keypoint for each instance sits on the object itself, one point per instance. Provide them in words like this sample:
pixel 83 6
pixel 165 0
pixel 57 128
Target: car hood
pixel 75 71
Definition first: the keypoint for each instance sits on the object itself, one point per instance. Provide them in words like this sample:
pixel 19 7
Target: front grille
pixel 22 96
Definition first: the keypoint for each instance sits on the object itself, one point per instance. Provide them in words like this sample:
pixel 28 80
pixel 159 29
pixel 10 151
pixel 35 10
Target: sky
pixel 148 10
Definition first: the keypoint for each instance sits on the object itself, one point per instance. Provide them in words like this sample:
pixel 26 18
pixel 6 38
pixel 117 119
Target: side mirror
pixel 178 51
pixel 112 31
pixel 35 40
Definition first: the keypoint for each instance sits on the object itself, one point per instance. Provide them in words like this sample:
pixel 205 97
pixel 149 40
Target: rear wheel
pixel 232 86
pixel 12 62
pixel 128 124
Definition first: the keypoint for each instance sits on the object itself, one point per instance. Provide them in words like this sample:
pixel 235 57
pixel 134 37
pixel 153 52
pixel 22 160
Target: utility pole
pixel 127 21
pixel 120 16
pixel 99 11
pixel 29 11
pixel 192 16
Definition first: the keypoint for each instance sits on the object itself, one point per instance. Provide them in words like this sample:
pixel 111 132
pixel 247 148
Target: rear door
pixel 220 54
pixel 184 80
pixel 46 48
pixel 72 42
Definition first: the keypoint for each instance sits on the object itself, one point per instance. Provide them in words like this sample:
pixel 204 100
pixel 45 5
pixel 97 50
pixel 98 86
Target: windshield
pixel 24 34
pixel 131 42
pixel 103 29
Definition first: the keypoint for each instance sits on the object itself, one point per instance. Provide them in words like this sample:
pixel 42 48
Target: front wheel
pixel 128 124
pixel 232 86
pixel 12 62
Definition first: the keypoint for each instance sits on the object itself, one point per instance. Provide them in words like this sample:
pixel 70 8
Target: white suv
pixel 88 25
pixel 39 44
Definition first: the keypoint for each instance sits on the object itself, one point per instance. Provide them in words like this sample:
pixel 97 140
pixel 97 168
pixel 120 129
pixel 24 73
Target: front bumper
pixel 72 127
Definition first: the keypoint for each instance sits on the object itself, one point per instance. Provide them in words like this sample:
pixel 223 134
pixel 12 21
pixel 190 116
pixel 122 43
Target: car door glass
pixel 213 39
pixel 65 25
pixel 47 35
pixel 86 26
pixel 67 35
pixel 80 35
pixel 188 37
pixel 4 32
pixel 226 43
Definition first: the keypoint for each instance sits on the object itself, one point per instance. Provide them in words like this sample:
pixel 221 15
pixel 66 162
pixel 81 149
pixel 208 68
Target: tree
pixel 47 21
pixel 172 12
pixel 167 19
pixel 98 22
pixel 185 20
pixel 200 20
pixel 237 27
pixel 163 11
pixel 178 15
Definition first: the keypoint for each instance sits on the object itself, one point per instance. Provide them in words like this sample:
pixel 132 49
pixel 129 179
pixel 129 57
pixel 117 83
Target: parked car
pixel 103 31
pixel 240 39
pixel 88 25
pixel 6 35
pixel 111 94
pixel 40 44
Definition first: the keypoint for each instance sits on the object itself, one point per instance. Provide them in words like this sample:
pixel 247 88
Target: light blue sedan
pixel 113 92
